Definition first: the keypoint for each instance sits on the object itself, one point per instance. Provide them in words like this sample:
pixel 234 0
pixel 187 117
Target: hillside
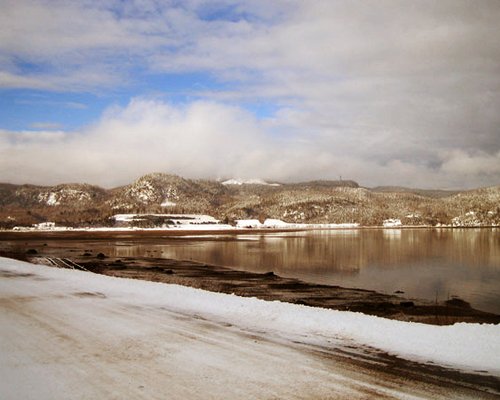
pixel 308 202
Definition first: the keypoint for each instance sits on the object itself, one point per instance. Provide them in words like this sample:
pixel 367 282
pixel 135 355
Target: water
pixel 423 263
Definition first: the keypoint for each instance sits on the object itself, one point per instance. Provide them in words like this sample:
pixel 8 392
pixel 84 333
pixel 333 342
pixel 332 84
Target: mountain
pixel 67 204
pixel 339 201
pixel 161 192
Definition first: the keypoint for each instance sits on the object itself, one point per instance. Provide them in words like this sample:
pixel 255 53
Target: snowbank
pixel 248 223
pixel 392 223
pixel 470 347
pixel 276 223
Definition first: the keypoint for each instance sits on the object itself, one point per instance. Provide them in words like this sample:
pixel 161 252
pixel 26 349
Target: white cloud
pixel 73 45
pixel 30 138
pixel 200 139
pixel 208 139
pixel 46 125
pixel 12 80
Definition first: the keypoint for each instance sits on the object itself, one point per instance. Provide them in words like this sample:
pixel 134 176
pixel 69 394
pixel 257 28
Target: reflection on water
pixel 424 263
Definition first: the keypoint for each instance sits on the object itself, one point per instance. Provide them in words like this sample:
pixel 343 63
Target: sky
pixel 383 92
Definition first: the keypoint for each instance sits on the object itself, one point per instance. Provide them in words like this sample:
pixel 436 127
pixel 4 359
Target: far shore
pixel 100 232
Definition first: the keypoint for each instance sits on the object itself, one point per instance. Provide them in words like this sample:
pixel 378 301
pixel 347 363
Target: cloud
pixel 14 138
pixel 61 45
pixel 482 164
pixel 199 139
pixel 46 125
pixel 392 81
pixel 209 140
pixel 12 80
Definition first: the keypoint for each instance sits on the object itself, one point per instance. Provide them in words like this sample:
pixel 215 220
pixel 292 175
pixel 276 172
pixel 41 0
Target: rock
pixel 457 302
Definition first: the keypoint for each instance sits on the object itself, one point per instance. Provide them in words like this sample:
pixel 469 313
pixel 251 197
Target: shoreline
pixel 271 287
pixel 99 232
pixel 266 286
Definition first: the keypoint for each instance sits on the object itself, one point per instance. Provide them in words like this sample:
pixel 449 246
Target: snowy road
pixel 76 335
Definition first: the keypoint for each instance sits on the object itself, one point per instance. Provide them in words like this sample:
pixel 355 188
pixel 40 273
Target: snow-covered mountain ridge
pixel 317 202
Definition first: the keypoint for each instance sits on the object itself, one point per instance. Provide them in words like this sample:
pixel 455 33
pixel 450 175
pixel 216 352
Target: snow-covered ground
pixel 392 223
pixel 465 346
pixel 188 219
pixel 279 224
pixel 72 334
pixel 248 223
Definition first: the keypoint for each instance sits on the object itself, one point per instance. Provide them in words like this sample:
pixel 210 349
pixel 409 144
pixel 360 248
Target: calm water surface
pixel 423 263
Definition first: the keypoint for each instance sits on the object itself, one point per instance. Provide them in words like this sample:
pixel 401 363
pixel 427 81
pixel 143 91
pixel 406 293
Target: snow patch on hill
pixel 143 191
pixel 55 198
pixel 168 203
